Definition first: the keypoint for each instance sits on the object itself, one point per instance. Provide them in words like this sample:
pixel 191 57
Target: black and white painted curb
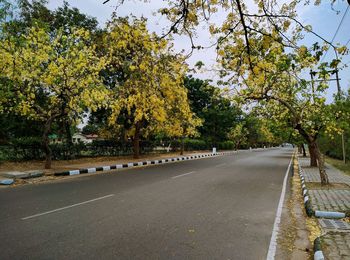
pixel 309 211
pixel 317 213
pixel 318 254
pixel 138 164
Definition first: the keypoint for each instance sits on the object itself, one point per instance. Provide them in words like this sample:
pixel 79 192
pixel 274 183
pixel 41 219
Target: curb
pixel 329 214
pixel 318 254
pixel 138 164
pixel 6 181
pixel 317 213
pixel 309 211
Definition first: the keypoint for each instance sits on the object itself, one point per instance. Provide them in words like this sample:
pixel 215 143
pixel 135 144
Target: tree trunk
pixel 313 154
pixel 136 142
pixel 319 158
pixel 69 139
pixel 304 151
pixel 68 133
pixel 323 174
pixel 237 145
pixel 46 144
pixel 299 149
pixel 182 145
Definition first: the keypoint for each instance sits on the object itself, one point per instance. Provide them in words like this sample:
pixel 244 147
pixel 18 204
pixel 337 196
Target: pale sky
pixel 322 18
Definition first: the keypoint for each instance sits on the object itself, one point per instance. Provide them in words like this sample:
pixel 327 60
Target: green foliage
pixel 12 126
pixel 195 144
pixel 332 147
pixel 330 143
pixel 22 148
pixel 216 111
pixel 227 145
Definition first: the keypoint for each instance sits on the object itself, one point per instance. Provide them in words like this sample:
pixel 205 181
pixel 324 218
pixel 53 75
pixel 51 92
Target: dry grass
pixel 331 186
pixel 339 165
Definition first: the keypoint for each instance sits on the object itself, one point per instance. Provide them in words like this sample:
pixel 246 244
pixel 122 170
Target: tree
pixel 331 144
pixel 52 77
pixel 274 82
pixel 218 114
pixel 148 91
pixel 24 14
pixel 252 48
pixel 238 134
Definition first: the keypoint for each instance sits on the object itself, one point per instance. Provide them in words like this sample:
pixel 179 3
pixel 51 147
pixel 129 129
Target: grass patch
pixel 339 165
pixel 331 186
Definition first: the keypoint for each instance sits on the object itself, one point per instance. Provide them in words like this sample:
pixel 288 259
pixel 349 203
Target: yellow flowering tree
pixel 52 76
pixel 148 91
pixel 271 77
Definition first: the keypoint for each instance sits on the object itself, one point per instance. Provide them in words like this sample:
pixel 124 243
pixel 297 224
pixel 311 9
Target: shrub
pixel 195 144
pixel 226 145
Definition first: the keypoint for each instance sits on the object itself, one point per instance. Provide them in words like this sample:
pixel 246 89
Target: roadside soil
pixel 296 229
pixel 64 165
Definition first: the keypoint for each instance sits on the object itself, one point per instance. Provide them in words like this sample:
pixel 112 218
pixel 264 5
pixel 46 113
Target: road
pixel 213 208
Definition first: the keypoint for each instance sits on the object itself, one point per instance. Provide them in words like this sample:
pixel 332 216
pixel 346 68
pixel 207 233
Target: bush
pixel 227 145
pixel 333 147
pixel 65 151
pixel 195 144
pixel 24 148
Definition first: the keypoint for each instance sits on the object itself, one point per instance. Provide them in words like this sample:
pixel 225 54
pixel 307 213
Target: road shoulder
pixel 293 240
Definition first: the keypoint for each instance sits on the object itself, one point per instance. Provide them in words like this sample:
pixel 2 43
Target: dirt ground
pixel 296 230
pixel 64 165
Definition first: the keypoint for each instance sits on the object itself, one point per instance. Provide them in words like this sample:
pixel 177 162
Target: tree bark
pixel 313 153
pixel 323 174
pixel 237 145
pixel 69 139
pixel 136 141
pixel 299 149
pixel 182 145
pixel 46 143
pixel 318 156
pixel 304 151
pixel 68 133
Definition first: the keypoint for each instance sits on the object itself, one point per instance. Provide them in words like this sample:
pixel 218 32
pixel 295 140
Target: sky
pixel 324 20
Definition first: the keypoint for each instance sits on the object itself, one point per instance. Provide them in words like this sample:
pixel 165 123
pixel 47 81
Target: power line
pixel 336 32
pixel 347 42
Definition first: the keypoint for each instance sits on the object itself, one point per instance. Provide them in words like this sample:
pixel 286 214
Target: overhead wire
pixel 336 32
pixel 346 44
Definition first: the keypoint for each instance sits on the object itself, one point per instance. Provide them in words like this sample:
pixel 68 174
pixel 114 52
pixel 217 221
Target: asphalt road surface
pixel 214 208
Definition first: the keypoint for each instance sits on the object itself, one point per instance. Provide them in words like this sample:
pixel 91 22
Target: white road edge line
pixel 273 242
pixel 177 176
pixel 67 207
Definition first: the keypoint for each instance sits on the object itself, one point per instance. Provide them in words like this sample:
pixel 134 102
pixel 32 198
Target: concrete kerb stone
pixel 6 181
pixel 318 254
pixel 22 174
pixel 329 214
pixel 138 164
pixel 318 213
pixel 8 178
pixel 309 211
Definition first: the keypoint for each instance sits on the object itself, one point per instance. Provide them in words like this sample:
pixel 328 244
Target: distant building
pixel 76 138
pixel 55 139
pixel 86 139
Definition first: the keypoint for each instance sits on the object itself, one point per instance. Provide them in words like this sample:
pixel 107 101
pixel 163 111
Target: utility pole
pixel 312 74
pixel 339 95
pixel 335 71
